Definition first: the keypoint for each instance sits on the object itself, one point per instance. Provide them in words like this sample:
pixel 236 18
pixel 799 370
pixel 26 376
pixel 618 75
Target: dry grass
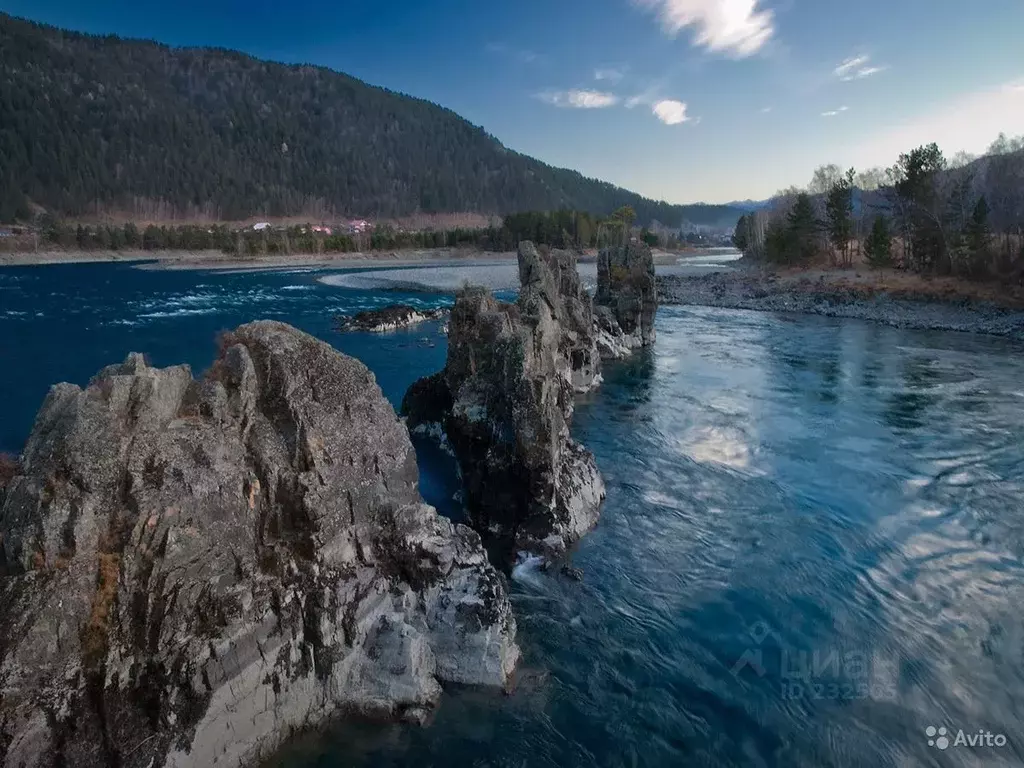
pixel 868 282
pixel 94 633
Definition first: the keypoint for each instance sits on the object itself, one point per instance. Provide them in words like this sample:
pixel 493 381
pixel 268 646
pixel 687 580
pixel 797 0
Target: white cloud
pixel 834 112
pixel 670 112
pixel 579 99
pixel 765 110
pixel 734 27
pixel 611 74
pixel 857 68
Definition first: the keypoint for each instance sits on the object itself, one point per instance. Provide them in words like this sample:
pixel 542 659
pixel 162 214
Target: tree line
pixel 962 216
pixel 558 229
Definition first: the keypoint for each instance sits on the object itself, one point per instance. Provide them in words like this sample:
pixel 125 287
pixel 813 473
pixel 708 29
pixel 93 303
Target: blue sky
pixel 685 100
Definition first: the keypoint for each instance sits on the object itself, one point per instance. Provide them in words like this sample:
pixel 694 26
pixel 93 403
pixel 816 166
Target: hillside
pixel 93 123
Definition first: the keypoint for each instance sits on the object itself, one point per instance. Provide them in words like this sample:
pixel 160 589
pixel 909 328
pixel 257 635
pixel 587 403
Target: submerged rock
pixel 505 401
pixel 626 299
pixel 192 570
pixel 388 318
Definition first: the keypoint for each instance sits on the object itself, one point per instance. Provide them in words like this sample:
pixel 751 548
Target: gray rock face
pixel 551 277
pixel 627 292
pixel 191 570
pixel 505 401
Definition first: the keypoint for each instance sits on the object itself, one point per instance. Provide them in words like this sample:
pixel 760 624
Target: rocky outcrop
pixel 505 402
pixel 626 299
pixel 388 318
pixel 552 277
pixel 191 570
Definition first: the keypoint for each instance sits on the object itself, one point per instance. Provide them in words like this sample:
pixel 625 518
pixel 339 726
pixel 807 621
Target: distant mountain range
pixel 99 124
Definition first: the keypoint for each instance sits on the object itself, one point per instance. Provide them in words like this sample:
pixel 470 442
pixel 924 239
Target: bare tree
pixel 871 179
pixel 962 159
pixel 824 178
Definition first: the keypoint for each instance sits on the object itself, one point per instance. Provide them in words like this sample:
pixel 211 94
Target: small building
pixel 260 226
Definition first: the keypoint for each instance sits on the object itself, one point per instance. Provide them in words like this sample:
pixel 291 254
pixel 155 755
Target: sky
pixel 682 100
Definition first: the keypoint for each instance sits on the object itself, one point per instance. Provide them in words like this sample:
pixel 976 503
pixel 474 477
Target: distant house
pixel 358 226
pixel 322 230
pixel 260 226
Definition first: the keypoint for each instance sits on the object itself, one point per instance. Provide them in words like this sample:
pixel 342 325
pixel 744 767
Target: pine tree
pixel 977 232
pixel 878 246
pixel 802 229
pixel 978 238
pixel 740 237
pixel 839 216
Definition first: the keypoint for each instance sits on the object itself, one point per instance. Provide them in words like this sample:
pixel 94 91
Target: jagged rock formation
pixel 551 277
pixel 190 570
pixel 388 318
pixel 626 299
pixel 505 401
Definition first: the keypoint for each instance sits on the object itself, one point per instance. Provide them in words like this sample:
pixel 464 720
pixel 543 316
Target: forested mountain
pixel 93 123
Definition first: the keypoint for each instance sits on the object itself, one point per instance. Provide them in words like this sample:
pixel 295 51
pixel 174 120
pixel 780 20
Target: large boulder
pixel 192 570
pixel 626 298
pixel 505 402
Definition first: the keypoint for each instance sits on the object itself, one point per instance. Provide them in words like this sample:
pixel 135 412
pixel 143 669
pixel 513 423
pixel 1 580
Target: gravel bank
pixel 768 293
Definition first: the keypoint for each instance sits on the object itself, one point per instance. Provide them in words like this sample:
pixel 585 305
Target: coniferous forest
pixel 92 125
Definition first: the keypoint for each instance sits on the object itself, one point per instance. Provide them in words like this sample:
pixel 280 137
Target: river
pixel 811 551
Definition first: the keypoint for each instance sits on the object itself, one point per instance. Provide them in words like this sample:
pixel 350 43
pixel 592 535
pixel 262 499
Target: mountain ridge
pixel 90 122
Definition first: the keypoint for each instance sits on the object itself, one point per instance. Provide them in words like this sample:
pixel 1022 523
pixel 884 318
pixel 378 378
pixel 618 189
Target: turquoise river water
pixel 810 554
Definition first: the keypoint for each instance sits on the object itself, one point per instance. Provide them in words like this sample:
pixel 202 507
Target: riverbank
pixel 885 296
pixel 216 260
pixel 177 259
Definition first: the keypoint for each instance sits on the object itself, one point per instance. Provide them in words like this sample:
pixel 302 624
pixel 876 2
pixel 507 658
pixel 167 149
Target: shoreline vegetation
pixel 51 240
pixel 931 242
pixel 961 217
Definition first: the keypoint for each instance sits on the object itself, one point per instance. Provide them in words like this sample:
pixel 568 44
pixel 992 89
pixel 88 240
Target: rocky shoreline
pixel 389 318
pixel 766 292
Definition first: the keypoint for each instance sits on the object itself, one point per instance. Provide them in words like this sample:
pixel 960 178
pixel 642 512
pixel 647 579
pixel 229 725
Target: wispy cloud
pixel 834 112
pixel 765 110
pixel 857 68
pixel 737 28
pixel 610 74
pixel 579 99
pixel 524 55
pixel 670 111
